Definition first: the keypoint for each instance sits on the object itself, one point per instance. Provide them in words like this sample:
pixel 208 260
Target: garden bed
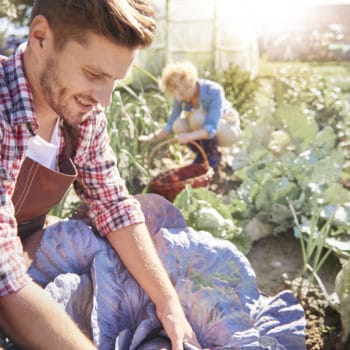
pixel 277 262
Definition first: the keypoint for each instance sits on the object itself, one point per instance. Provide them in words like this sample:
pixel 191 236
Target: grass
pixel 337 72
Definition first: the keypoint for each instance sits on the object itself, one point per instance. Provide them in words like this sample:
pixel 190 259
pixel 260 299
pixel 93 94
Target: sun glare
pixel 273 15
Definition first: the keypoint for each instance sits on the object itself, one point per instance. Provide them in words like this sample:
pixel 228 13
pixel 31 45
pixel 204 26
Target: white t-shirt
pixel 43 152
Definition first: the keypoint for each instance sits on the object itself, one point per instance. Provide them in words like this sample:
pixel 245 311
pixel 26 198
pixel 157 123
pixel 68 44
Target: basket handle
pixel 165 142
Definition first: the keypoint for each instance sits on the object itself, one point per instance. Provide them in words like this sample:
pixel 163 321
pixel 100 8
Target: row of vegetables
pixel 292 164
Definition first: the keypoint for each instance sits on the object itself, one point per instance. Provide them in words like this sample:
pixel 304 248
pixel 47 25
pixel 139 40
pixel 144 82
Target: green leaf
pixel 276 191
pixel 342 289
pixel 336 194
pixel 326 138
pixel 302 127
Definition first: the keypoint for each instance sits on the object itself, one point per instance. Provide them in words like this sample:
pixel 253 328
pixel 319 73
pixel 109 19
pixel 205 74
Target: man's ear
pixel 40 33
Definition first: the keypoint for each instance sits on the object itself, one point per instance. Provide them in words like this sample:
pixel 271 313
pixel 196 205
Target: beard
pixel 55 93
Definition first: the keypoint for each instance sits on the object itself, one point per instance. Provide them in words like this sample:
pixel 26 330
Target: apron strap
pixel 26 228
pixel 71 137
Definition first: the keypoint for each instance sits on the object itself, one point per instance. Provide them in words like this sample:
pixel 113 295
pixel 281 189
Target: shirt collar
pixel 23 110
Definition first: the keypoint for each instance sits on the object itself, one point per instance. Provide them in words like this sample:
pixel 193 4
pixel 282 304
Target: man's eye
pixel 92 75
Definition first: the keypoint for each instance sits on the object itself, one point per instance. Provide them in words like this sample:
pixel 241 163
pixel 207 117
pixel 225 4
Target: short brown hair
pixel 129 23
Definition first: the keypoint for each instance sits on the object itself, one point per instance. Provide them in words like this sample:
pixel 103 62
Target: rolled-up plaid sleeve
pixel 99 183
pixel 13 271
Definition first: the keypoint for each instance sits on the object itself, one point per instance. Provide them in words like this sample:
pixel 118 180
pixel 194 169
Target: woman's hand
pixel 145 138
pixel 184 138
pixel 154 137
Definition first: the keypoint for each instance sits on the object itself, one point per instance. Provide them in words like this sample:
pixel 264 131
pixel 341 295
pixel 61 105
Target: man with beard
pixel 53 132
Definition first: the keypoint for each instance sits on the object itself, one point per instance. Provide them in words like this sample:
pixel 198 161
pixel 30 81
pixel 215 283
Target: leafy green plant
pixel 67 206
pixel 205 210
pixel 313 235
pixel 286 152
pixel 239 86
pixel 129 116
pixel 301 86
pixel 267 181
pixel 342 290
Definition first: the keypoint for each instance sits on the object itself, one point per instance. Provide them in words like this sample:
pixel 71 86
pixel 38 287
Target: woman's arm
pixel 175 113
pixel 212 100
pixel 201 134
pixel 159 135
pixel 164 133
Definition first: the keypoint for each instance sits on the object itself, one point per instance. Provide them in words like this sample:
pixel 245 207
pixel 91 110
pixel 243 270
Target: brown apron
pixel 38 189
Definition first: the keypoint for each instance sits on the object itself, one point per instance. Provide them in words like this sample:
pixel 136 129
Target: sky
pixel 273 15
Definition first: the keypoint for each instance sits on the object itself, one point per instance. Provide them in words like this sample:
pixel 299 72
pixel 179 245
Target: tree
pixel 17 11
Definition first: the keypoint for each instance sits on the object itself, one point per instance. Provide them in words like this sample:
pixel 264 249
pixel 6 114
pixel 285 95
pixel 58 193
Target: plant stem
pixel 318 279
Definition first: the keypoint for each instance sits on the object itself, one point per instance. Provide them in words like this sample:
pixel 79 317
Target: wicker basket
pixel 171 182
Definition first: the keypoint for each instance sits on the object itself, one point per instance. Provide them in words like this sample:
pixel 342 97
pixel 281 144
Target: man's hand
pixel 177 327
pixel 135 248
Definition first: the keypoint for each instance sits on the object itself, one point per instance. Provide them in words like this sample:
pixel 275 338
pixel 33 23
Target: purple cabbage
pixel 215 283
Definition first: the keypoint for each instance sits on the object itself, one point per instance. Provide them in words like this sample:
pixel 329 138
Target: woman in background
pixel 199 112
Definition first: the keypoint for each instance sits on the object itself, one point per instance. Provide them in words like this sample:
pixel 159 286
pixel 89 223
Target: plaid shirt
pixel 98 183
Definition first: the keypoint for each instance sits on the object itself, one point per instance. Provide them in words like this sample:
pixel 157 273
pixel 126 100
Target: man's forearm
pixel 135 248
pixel 32 319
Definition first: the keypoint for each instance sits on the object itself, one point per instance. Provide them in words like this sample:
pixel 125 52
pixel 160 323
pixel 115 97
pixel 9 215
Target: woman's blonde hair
pixel 175 75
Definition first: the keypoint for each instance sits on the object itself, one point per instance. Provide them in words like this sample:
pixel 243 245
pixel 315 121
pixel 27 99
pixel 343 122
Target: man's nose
pixel 103 94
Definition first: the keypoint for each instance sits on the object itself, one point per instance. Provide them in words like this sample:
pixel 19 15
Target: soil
pixel 277 262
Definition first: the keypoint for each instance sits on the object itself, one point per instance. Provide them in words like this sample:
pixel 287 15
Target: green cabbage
pixel 204 210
